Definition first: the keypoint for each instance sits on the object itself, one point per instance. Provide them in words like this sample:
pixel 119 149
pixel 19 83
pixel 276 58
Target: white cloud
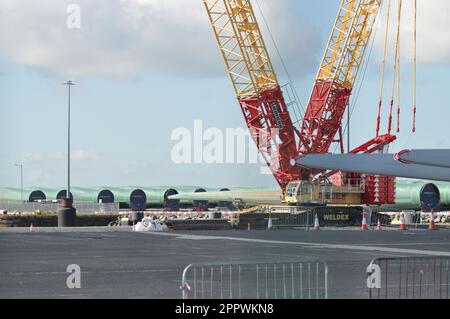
pixel 37 176
pixel 33 157
pixel 133 166
pixel 433 25
pixel 128 37
pixel 56 156
pixel 76 155
pixel 83 155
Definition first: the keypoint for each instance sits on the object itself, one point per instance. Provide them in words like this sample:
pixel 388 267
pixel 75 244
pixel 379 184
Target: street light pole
pixel 69 84
pixel 21 181
pixel 66 212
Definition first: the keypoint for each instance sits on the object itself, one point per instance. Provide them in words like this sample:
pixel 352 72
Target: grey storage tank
pixel 105 196
pixel 200 205
pixel 430 197
pixel 171 204
pixel 62 194
pixel 36 195
pixel 138 200
pixel 225 204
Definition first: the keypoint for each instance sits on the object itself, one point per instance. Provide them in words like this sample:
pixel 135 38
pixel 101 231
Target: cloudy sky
pixel 146 67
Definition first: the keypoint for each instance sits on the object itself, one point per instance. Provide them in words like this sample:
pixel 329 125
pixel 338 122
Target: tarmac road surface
pixel 125 264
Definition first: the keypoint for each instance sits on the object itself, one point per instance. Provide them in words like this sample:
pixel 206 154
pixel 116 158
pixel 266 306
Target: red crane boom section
pixel 336 77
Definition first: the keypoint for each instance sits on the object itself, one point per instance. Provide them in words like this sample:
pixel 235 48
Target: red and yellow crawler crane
pixel 261 98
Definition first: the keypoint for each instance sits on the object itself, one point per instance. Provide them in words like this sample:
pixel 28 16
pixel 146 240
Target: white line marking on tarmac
pixel 311 245
pixel 406 244
pixel 41 273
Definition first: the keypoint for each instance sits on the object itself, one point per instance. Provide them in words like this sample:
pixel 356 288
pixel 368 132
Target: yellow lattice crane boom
pixel 254 80
pixel 242 46
pixel 348 42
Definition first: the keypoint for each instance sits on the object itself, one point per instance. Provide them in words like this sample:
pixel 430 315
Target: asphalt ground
pixel 125 264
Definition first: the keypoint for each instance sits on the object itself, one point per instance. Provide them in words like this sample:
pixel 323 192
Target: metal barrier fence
pixel 88 208
pixel 304 219
pixel 291 216
pixel 304 279
pixel 409 278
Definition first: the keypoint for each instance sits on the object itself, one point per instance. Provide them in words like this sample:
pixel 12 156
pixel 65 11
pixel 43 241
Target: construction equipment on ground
pixel 315 193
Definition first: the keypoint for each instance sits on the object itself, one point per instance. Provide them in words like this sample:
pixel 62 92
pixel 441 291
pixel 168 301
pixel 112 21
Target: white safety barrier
pixel 297 279
pixel 409 278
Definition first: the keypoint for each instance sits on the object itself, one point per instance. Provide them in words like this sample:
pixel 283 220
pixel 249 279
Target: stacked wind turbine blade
pixel 384 164
pixel 257 197
pixel 432 157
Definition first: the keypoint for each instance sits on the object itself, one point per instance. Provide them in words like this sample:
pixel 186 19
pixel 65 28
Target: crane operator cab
pixel 301 192
pixel 314 193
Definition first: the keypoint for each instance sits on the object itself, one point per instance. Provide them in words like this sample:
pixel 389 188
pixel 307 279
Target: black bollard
pixel 136 217
pixel 66 213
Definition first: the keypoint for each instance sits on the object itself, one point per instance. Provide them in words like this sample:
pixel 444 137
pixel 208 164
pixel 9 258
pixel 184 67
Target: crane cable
pixel 415 67
pixel 396 66
pixel 383 64
pixel 281 60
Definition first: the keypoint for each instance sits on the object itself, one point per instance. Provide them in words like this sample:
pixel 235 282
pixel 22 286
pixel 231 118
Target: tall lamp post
pixel 21 180
pixel 66 213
